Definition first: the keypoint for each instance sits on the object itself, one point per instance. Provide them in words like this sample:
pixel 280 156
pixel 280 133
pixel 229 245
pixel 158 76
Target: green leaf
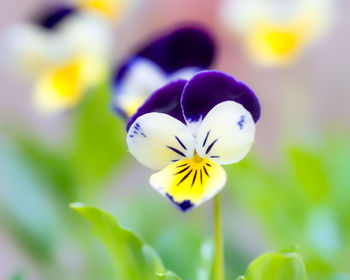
pixel 132 258
pixel 97 139
pixel 277 266
pixel 168 276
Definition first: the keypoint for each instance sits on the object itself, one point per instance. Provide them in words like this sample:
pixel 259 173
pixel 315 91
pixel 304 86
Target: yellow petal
pixel 189 182
pixel 131 105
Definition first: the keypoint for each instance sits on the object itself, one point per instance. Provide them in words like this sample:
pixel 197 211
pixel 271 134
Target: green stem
pixel 219 250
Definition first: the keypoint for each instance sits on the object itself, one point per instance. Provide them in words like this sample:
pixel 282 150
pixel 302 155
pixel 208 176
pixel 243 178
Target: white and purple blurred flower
pixel 188 128
pixel 178 54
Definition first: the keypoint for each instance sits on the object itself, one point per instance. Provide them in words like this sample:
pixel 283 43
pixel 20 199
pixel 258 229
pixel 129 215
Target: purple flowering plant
pixel 183 119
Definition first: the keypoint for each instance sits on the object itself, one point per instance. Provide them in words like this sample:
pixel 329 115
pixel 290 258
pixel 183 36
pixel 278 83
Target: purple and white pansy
pixel 178 54
pixel 187 129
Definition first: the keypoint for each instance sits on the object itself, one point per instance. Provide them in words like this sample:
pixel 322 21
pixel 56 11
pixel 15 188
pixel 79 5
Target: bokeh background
pixel 292 189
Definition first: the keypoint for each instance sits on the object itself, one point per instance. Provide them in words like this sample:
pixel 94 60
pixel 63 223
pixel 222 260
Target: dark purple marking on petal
pixel 211 146
pixel 176 151
pixel 182 170
pixel 241 122
pixel 206 138
pixel 164 100
pixel 205 170
pixel 209 88
pixel 180 142
pixel 53 15
pixel 194 178
pixel 137 130
pixel 183 206
pixel 184 177
pixel 184 47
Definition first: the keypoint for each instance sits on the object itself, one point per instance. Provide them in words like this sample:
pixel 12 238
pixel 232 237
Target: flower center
pixel 196 157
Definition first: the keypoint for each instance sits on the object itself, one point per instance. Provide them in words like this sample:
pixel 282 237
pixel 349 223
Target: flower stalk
pixel 219 250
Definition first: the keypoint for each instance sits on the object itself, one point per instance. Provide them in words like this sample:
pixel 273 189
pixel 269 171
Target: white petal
pixel 184 73
pixel 156 140
pixel 24 48
pixel 226 133
pixel 141 80
pixel 87 34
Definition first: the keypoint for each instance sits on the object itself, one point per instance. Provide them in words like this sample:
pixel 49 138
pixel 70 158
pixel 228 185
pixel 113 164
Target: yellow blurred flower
pixel 63 58
pixel 277 32
pixel 111 9
pixel 63 86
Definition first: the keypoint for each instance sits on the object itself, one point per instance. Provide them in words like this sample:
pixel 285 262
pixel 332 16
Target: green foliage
pixel 310 174
pixel 277 266
pixel 27 209
pixel 38 179
pixel 17 276
pixel 304 200
pixel 97 139
pixel 168 276
pixel 86 158
pixel 180 239
pixel 49 164
pixel 132 258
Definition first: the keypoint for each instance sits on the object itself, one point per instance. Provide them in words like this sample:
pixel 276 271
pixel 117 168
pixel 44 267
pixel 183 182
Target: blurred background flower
pixel 65 49
pixel 277 32
pixel 175 55
pixel 293 188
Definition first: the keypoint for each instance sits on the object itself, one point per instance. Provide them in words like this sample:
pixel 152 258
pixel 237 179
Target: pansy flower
pixel 63 51
pixel 187 129
pixel 275 31
pixel 178 54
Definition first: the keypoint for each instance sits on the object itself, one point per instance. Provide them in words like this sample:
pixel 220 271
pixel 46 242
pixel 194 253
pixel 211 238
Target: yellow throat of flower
pixel 196 157
pixel 60 87
pixel 274 44
pixel 110 9
pixel 131 105
pixel 191 179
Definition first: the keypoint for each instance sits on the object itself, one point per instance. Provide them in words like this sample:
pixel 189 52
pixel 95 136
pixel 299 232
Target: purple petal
pixel 184 206
pixel 53 15
pixel 209 88
pixel 164 100
pixel 185 47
